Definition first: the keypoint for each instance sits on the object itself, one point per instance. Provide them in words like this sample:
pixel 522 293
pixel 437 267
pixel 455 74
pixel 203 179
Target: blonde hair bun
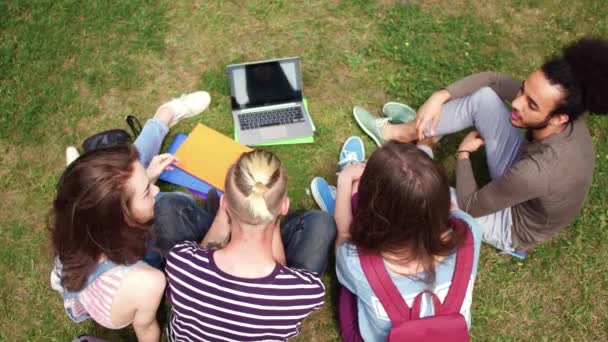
pixel 259 188
pixel 255 186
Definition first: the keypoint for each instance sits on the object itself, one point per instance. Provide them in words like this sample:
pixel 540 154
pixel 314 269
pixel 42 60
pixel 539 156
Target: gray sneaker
pixel 369 124
pixel 398 113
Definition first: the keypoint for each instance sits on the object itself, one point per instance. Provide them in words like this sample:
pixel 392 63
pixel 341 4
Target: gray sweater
pixel 545 188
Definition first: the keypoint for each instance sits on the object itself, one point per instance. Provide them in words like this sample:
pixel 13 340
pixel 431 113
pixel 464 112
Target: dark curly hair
pixel 582 71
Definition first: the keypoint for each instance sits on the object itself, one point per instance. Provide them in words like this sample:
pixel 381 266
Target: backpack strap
pixel 384 287
pixel 418 300
pixel 134 124
pixel 462 272
pixel 390 297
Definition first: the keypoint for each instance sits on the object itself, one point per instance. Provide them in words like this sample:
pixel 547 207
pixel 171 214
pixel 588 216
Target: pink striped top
pixel 96 299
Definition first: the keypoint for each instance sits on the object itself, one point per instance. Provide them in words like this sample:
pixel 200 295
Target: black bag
pixel 108 138
pixel 112 137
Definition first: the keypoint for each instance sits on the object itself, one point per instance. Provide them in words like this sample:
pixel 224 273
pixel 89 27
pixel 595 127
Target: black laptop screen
pixel 263 84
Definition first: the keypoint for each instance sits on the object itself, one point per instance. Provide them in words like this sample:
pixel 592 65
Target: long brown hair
pixel 91 217
pixel 403 208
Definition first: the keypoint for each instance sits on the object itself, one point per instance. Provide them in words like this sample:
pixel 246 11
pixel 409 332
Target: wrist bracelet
pixel 463 151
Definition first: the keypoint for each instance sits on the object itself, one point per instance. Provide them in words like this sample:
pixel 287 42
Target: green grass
pixel 69 69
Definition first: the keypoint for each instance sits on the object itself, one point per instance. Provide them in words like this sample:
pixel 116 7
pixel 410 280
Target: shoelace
pixel 182 101
pixel 347 157
pixel 380 123
pixel 332 191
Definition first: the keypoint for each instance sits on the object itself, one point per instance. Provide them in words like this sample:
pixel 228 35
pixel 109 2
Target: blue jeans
pixel 307 237
pixel 150 140
pixel 175 217
pixel 178 218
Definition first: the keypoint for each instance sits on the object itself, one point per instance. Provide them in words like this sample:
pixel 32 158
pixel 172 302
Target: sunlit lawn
pixel 69 69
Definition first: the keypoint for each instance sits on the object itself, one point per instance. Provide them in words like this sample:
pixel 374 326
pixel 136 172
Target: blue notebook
pixel 180 177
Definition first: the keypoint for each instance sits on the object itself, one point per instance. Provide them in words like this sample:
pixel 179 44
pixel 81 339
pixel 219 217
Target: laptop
pixel 266 100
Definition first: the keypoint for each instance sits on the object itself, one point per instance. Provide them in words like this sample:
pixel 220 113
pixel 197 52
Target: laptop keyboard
pixel 275 117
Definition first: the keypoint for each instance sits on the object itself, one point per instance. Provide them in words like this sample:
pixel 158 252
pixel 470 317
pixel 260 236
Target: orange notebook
pixel 207 154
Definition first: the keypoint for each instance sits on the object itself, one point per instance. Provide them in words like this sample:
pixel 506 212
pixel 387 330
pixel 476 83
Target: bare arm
pixel 343 212
pixel 146 291
pixel 147 332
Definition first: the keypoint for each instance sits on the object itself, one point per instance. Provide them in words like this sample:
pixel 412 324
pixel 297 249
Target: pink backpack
pixel 447 324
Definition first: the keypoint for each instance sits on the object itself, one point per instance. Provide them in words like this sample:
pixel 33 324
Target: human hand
pixel 471 142
pixel 351 172
pixel 430 113
pixel 160 163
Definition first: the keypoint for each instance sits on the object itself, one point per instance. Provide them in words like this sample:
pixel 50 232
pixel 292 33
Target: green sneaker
pixel 398 113
pixel 369 124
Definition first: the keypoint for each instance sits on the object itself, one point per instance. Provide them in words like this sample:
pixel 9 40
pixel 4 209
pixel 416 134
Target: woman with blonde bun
pixel 264 279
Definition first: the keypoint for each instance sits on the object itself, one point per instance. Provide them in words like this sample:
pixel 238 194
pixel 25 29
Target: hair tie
pixel 259 188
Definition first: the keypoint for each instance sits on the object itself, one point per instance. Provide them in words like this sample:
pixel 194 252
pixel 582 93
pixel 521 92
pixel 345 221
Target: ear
pixel 559 119
pixel 285 205
pixel 223 203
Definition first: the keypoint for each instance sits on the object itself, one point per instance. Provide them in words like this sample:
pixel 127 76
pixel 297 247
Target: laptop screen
pixel 265 83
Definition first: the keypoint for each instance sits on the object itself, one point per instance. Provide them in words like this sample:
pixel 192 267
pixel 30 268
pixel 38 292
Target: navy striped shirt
pixel 211 305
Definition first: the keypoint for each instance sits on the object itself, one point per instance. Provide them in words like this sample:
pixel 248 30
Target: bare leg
pixel 164 114
pixel 402 132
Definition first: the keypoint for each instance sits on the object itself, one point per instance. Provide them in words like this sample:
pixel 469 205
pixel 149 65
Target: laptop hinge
pixel 258 109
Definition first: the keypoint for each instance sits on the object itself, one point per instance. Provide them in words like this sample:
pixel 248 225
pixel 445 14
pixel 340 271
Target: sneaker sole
pixel 520 256
pixel 317 196
pixel 366 130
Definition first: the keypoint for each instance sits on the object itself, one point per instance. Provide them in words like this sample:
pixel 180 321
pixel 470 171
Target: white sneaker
pixel 71 154
pixel 188 105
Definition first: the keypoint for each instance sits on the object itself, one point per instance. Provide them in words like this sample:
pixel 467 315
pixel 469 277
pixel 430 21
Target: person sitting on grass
pixel 264 280
pixel 539 180
pixel 397 206
pixel 105 214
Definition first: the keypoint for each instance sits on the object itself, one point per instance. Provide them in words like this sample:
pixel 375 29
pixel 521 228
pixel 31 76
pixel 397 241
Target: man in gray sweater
pixel 539 153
